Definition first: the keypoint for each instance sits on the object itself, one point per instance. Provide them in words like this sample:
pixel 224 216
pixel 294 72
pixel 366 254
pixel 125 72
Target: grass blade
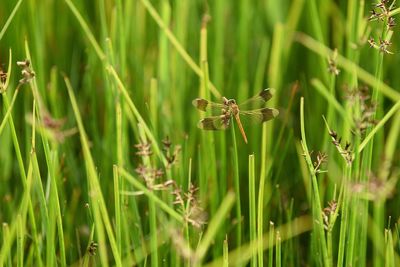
pixel 213 226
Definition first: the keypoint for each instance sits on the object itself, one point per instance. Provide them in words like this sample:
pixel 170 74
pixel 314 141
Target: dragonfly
pixel 228 109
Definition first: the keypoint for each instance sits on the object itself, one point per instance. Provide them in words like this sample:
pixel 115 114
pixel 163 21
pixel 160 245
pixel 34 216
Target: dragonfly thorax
pixel 231 108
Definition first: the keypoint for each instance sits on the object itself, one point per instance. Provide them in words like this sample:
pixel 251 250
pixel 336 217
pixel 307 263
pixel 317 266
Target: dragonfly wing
pixel 205 105
pixel 214 123
pixel 266 94
pixel 200 104
pixel 259 115
pixel 258 100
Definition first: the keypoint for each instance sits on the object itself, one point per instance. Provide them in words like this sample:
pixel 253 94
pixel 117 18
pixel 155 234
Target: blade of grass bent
pixel 318 221
pixel 243 254
pixel 9 110
pixel 177 45
pixel 10 18
pixel 331 99
pixel 86 29
pixel 50 156
pixel 382 122
pixel 214 226
pixel 348 65
pixel 138 116
pixel 102 56
pixel 92 175
pixel 131 179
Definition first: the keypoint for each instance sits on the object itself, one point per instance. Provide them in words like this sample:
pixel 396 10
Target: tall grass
pixel 102 162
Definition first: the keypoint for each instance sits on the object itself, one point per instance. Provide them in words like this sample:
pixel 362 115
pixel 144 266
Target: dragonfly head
pixel 228 102
pixel 231 102
pixel 233 107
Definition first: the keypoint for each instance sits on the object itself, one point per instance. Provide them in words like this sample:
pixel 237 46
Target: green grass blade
pixel 236 181
pixel 9 110
pixel 214 225
pixel 100 53
pixel 331 100
pixel 348 65
pixel 131 179
pixel 318 220
pixel 252 208
pixel 380 124
pixel 10 18
pixel 244 253
pixel 177 45
pixel 92 176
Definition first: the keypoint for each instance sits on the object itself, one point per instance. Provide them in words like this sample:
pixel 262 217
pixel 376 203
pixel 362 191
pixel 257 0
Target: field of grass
pixel 102 162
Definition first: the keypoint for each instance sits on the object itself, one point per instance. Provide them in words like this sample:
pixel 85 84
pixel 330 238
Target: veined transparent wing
pixel 214 123
pixel 258 100
pixel 205 105
pixel 258 115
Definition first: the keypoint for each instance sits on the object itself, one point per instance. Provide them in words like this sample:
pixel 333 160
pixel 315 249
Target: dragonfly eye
pixel 232 101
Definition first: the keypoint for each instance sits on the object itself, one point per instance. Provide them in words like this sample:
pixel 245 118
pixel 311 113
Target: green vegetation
pixel 102 162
